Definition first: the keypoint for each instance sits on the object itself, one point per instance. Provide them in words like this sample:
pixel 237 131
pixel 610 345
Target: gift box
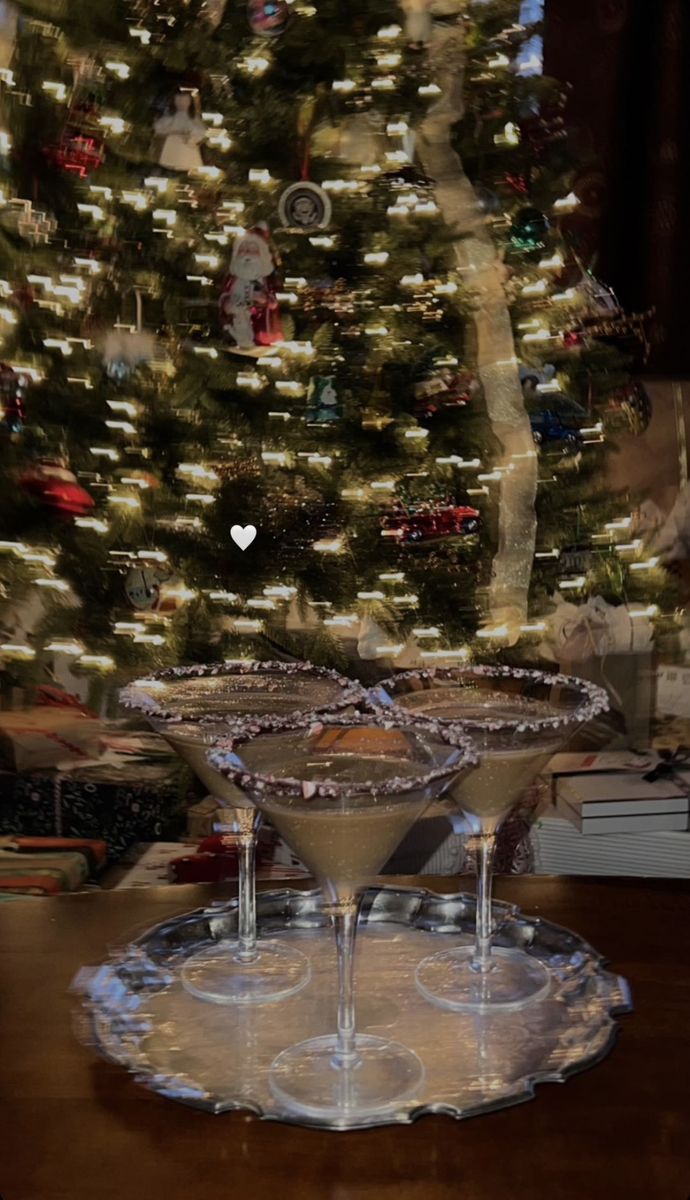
pixel 37 738
pixel 42 874
pixel 621 802
pixel 134 802
pixel 201 818
pixel 610 645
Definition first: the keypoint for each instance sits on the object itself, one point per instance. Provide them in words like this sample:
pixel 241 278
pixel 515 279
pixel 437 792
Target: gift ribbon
pixel 670 761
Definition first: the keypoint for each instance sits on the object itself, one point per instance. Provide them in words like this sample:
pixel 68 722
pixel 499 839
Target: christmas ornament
pixel 304 205
pixel 488 202
pixel 179 133
pixel 20 218
pixel 322 401
pixel 54 485
pixel 598 299
pixel 576 559
pixel 268 18
pixel 547 426
pixel 418 24
pixel 250 315
pixel 358 140
pixel 144 587
pixel 13 389
pixel 125 347
pixel 446 388
pixel 430 521
pixel 631 407
pixel 536 379
pixel 529 229
pixel 81 149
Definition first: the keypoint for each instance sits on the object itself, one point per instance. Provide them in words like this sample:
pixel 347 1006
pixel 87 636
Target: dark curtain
pixel 629 115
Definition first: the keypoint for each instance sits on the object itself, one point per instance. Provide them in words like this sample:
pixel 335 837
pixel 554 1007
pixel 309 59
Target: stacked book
pixel 614 814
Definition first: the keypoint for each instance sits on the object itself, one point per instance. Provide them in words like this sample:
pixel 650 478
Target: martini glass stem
pixel 345 920
pixel 482 961
pixel 247 821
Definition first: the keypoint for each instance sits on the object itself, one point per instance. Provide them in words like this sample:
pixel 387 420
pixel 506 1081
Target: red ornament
pixel 81 149
pixel 54 485
pixel 573 340
pixel 430 521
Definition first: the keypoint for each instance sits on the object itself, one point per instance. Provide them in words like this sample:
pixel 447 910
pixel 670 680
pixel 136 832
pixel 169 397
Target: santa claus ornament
pixel 249 311
pixel 53 484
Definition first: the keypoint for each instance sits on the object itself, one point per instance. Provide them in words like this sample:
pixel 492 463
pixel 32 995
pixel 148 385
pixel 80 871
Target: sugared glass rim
pixel 595 701
pixel 224 757
pixel 135 696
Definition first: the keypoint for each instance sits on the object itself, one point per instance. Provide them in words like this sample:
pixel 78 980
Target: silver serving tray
pixel 216 1057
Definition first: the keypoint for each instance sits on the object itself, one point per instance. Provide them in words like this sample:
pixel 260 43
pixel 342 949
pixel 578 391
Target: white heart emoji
pixel 243 536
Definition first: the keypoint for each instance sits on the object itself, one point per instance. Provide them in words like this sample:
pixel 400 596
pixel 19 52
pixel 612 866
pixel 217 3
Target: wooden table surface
pixel 74 1127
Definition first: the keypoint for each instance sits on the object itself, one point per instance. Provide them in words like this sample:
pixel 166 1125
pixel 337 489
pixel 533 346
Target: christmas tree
pixel 298 353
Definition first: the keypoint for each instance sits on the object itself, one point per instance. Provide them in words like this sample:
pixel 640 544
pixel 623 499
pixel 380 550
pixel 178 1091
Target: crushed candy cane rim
pixel 594 702
pixel 224 757
pixel 136 695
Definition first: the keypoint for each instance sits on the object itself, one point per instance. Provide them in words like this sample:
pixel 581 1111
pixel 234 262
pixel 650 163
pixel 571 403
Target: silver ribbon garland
pixel 497 365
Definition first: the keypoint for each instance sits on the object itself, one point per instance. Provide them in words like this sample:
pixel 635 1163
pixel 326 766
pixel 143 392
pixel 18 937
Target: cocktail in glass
pixel 194 708
pixel 518 719
pixel 343 793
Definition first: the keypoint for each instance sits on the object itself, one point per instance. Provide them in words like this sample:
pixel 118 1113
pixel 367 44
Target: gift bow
pixel 670 760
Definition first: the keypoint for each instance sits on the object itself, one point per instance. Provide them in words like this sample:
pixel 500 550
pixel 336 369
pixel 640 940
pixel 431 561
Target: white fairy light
pixel 64 646
pixel 329 545
pixel 100 662
pixel 343 85
pixel 118 68
pixel 18 650
pixel 57 90
pixel 567 203
pixel 93 524
pixel 55 585
pixel 376 258
pixel 427 631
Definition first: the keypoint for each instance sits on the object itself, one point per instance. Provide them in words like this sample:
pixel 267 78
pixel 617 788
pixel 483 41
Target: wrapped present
pixel 94 851
pixel 201 818
pixel 42 874
pixel 202 868
pixel 37 738
pixel 607 645
pixel 118 804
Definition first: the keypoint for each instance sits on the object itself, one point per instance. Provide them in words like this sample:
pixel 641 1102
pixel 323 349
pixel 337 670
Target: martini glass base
pixel 451 981
pixel 305 1079
pixel 219 975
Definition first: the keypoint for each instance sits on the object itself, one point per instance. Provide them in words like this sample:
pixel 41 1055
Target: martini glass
pixel 518 720
pixel 343 793
pixel 194 708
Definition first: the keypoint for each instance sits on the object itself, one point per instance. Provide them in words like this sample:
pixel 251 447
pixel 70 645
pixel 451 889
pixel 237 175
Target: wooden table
pixel 73 1127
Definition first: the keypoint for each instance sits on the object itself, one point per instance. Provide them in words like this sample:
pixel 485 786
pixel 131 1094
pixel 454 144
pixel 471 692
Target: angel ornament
pixel 180 132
